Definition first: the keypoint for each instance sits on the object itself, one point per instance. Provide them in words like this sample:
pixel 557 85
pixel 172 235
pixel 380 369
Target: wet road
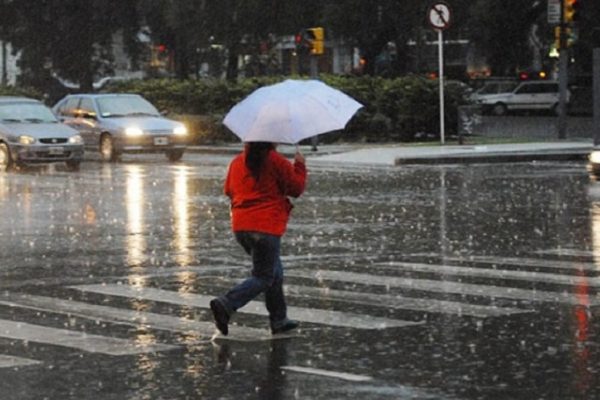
pixel 428 282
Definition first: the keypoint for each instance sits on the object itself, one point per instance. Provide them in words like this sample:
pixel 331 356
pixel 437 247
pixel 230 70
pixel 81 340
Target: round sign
pixel 439 15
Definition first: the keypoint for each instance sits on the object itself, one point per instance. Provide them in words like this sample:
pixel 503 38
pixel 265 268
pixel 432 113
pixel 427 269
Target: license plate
pixel 55 150
pixel 161 141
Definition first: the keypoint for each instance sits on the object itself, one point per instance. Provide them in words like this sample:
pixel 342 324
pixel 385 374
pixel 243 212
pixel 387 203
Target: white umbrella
pixel 290 111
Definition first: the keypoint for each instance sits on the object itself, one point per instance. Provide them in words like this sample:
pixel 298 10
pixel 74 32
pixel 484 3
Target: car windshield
pixel 493 88
pixel 122 106
pixel 26 113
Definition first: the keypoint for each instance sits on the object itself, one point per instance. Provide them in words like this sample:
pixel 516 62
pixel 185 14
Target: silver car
pixel 31 134
pixel 122 123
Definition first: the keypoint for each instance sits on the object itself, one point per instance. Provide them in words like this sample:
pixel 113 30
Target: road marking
pixel 317 316
pixel 446 287
pixel 77 340
pixel 160 272
pixel 13 362
pixel 527 262
pixel 400 302
pixel 404 303
pixel 133 318
pixel 531 276
pixel 330 374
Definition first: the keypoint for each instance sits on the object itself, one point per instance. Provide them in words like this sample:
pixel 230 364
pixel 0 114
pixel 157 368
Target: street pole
pixel 314 74
pixel 441 82
pixel 596 83
pixel 563 65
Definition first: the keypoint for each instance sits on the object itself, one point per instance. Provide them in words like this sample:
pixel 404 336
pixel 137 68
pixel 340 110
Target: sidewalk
pixel 398 154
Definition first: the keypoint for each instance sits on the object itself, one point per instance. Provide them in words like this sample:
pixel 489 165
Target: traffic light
pixel 316 37
pixel 571 11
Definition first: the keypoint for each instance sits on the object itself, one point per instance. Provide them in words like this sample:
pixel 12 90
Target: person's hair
pixel 255 156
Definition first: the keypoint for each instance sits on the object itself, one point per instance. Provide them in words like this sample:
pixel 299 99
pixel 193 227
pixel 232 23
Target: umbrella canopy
pixel 290 111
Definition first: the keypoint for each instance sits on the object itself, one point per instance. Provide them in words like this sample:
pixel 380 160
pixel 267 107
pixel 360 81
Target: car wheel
pixel 499 109
pixel 174 155
pixel 6 162
pixel 73 165
pixel 107 148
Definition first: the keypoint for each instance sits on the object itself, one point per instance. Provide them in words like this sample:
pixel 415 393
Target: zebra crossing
pixel 511 278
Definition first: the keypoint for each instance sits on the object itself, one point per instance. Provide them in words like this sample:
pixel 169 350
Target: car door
pixel 526 96
pixel 87 119
pixel 549 96
pixel 67 112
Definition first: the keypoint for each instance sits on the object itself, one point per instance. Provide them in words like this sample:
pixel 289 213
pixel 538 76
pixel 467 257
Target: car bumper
pixel 42 154
pixel 150 144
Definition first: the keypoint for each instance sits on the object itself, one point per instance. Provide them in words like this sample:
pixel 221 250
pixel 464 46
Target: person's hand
pixel 298 157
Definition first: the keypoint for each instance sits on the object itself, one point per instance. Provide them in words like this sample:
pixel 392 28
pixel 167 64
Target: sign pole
pixel 439 16
pixel 596 86
pixel 441 82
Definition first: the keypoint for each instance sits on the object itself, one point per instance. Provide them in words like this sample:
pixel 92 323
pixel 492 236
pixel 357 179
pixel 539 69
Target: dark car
pixel 116 124
pixel 31 134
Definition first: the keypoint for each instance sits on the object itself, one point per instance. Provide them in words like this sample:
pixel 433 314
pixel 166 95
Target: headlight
pixel 134 131
pixel 595 157
pixel 26 140
pixel 180 130
pixel 75 139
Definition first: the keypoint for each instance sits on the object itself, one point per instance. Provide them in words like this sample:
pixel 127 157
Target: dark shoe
pixel 220 315
pixel 284 326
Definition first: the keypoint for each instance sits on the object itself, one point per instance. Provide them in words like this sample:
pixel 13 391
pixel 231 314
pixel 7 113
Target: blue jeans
pixel 267 276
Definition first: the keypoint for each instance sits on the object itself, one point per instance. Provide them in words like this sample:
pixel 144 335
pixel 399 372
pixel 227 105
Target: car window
pixel 87 106
pixel 69 107
pixel 497 87
pixel 121 106
pixel 528 89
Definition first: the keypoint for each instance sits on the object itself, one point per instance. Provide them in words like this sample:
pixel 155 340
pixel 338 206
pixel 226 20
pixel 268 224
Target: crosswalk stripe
pixel 399 302
pixel 132 317
pixel 531 276
pixel 160 272
pixel 404 303
pixel 77 340
pixel 318 316
pixel 13 361
pixel 327 373
pixel 445 287
pixel 527 262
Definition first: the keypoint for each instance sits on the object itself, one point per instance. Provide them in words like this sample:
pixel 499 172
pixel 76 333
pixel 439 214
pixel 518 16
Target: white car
pixel 530 95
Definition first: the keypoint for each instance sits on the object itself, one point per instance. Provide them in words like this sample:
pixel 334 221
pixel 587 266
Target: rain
pixel 381 268
pixel 445 247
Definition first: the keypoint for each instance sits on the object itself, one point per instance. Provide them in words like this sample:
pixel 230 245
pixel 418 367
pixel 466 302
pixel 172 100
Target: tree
pixel 373 26
pixel 71 38
pixel 500 30
pixel 180 26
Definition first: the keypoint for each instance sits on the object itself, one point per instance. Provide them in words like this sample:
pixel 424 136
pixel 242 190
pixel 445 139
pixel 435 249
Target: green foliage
pixel 20 91
pixel 394 109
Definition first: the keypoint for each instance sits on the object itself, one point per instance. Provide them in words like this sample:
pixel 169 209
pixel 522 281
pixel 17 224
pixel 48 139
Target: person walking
pixel 259 183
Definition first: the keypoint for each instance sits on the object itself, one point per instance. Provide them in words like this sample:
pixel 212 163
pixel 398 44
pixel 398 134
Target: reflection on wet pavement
pixel 432 282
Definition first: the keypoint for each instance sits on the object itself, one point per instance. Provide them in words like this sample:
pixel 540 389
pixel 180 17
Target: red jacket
pixel 263 205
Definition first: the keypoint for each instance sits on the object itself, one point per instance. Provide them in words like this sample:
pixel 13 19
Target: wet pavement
pixel 448 281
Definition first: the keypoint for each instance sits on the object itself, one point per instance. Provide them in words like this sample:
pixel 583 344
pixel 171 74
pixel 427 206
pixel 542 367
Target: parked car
pixel 122 123
pixel 31 134
pixel 529 95
pixel 493 87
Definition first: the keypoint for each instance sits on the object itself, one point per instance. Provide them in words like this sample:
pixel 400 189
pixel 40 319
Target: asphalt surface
pixel 438 282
